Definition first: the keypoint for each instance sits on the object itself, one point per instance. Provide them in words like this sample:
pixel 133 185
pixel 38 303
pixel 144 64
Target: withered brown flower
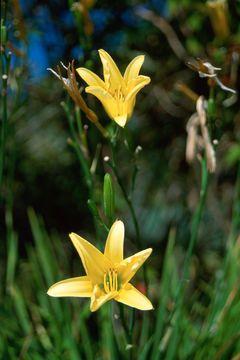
pixel 206 69
pixel 202 141
pixel 70 84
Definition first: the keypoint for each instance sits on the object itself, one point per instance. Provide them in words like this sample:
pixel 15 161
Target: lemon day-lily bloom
pixel 108 274
pixel 117 93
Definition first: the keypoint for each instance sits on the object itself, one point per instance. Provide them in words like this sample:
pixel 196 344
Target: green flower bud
pixel 109 198
pixel 211 108
pixel 3 34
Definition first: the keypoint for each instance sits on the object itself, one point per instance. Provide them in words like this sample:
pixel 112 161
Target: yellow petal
pixel 106 99
pixel 94 262
pixel 99 298
pixel 129 266
pixel 136 86
pixel 133 68
pixel 114 244
pixel 121 120
pixel 112 76
pixel 131 105
pixel 78 286
pixel 90 78
pixel 132 297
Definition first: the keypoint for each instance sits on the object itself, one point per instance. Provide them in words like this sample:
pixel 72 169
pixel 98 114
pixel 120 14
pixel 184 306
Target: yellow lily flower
pixel 116 93
pixel 108 274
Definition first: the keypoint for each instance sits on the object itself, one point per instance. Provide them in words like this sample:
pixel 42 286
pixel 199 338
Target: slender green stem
pixel 235 212
pixel 196 221
pixel 130 206
pixel 163 296
pixel 124 324
pixel 128 330
pixel 5 62
pixel 195 226
pixel 177 311
pixel 81 159
pixel 126 197
pixel 4 6
pixel 133 155
pixel 83 162
pixel 3 132
pixel 134 175
pixel 79 123
pixel 230 246
pixel 131 325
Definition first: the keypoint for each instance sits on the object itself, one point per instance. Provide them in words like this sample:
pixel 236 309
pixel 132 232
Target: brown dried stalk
pixel 83 7
pixel 70 84
pixel 194 141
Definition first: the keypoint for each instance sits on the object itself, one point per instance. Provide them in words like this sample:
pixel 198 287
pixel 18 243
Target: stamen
pixel 110 281
pixel 106 283
pixel 116 281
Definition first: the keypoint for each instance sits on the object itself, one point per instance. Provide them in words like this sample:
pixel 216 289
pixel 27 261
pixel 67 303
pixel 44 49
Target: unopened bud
pixel 211 107
pixel 108 197
pixel 106 158
pixel 3 34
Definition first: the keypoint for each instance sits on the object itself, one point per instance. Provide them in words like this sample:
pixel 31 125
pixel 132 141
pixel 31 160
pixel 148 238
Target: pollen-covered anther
pixel 120 98
pixel 110 281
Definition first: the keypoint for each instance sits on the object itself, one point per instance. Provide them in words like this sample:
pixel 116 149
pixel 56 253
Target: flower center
pixel 110 281
pixel 118 94
pixel 120 99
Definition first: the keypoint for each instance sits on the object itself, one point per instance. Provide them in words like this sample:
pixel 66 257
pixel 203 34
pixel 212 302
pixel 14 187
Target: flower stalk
pixel 128 199
pixel 82 159
pixel 5 63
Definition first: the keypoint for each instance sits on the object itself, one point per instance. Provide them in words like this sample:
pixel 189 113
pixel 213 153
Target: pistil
pixel 110 281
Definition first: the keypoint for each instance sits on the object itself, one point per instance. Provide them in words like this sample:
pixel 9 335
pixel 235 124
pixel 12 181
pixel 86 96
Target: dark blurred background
pixel 169 33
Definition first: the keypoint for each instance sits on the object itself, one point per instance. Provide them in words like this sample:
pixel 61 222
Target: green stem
pixel 124 324
pixel 196 222
pixel 79 123
pixel 133 154
pixel 134 175
pixel 4 5
pixel 131 325
pixel 4 84
pixel 163 296
pixel 83 162
pixel 230 246
pixel 235 213
pixel 80 156
pixel 131 208
pixel 128 330
pixel 180 294
pixel 3 134
pixel 126 197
